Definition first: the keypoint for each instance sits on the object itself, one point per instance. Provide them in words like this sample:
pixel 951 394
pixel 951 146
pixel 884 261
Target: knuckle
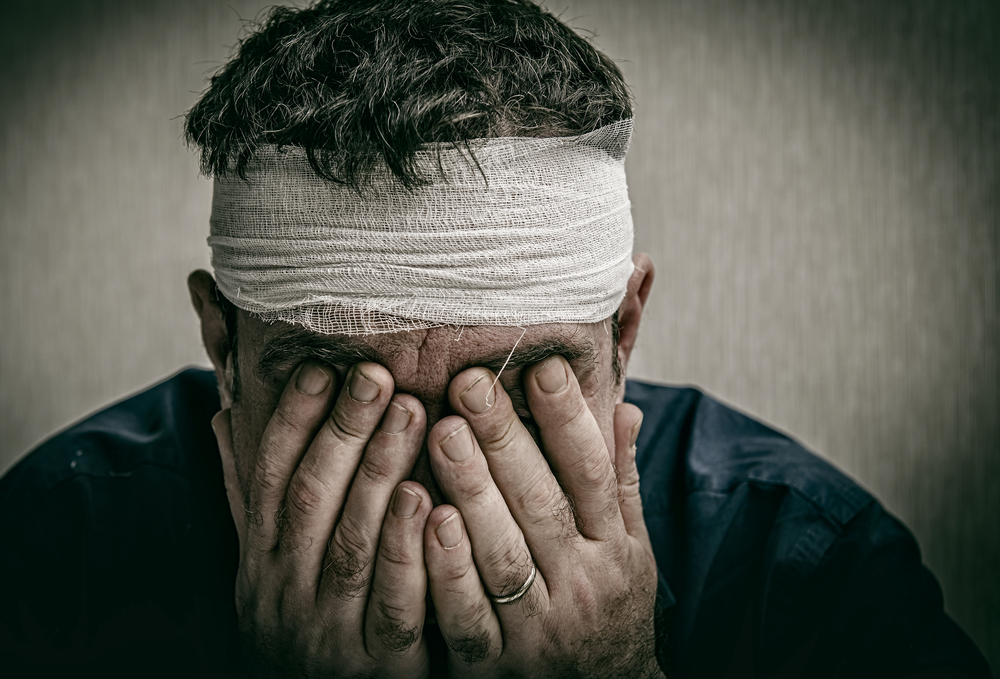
pixel 287 422
pixel 282 420
pixel 347 576
pixel 255 519
pixel 594 471
pixel 351 538
pixel 498 436
pixel 394 554
pixel 347 568
pixel 565 515
pixel 389 601
pixel 265 476
pixel 475 488
pixel 472 617
pixel 280 521
pixel 628 486
pixel 392 631
pixel 306 492
pixel 611 483
pixel 541 497
pixel 295 541
pixel 468 637
pixel 346 428
pixel 391 606
pixel 376 469
pixel 620 548
pixel 471 650
pixel 454 574
pixel 389 612
pixel 570 412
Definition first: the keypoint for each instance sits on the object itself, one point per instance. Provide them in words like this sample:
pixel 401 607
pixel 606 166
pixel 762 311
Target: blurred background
pixel 817 182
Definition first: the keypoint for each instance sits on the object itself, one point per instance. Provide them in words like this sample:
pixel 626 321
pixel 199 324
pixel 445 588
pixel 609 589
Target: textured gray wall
pixel 817 182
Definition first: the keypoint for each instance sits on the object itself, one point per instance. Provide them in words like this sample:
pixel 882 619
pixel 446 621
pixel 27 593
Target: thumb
pixel 628 420
pixel 222 426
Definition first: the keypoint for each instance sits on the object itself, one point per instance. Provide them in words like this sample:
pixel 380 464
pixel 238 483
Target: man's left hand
pixel 573 513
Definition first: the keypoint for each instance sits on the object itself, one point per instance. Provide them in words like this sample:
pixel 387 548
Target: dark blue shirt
pixel 118 553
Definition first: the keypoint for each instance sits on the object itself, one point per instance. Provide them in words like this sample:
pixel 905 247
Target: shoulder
pixel 158 430
pixel 113 526
pixel 774 558
pixel 710 448
pixel 134 464
pixel 724 494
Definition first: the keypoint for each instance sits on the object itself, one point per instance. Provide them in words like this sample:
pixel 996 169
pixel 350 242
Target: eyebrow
pixel 298 344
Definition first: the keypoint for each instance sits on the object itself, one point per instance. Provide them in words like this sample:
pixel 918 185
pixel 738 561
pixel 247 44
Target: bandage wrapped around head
pixel 512 231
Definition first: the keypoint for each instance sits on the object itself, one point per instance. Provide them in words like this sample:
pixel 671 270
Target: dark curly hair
pixel 358 81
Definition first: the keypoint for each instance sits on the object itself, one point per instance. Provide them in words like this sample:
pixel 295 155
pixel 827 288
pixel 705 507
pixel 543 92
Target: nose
pixel 435 409
pixel 423 475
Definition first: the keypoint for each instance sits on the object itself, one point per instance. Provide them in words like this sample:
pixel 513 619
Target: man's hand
pixel 590 609
pixel 332 579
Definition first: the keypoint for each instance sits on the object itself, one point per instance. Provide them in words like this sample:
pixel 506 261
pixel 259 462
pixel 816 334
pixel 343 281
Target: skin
pixel 362 488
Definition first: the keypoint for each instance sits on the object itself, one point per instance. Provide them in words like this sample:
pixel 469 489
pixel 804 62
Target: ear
pixel 205 299
pixel 630 311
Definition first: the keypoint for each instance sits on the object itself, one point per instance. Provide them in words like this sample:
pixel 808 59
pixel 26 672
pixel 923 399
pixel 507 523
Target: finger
pixel 498 546
pixel 395 616
pixel 628 421
pixel 222 426
pixel 464 614
pixel 300 412
pixel 517 466
pixel 388 459
pixel 575 447
pixel 318 487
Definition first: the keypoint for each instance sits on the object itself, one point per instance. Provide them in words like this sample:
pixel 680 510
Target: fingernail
pixel 458 444
pixel 479 396
pixel 312 379
pixel 551 377
pixel 635 432
pixel 450 532
pixel 406 503
pixel 397 418
pixel 363 388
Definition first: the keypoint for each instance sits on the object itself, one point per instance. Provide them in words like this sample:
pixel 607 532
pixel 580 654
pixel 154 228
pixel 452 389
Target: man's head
pixel 358 81
pixel 363 85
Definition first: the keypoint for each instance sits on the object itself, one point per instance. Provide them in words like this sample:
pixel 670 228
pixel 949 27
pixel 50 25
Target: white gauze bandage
pixel 523 232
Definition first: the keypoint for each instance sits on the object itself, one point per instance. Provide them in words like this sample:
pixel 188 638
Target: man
pixel 423 457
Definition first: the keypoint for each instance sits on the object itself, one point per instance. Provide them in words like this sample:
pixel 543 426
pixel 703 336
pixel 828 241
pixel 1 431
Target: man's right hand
pixel 332 579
